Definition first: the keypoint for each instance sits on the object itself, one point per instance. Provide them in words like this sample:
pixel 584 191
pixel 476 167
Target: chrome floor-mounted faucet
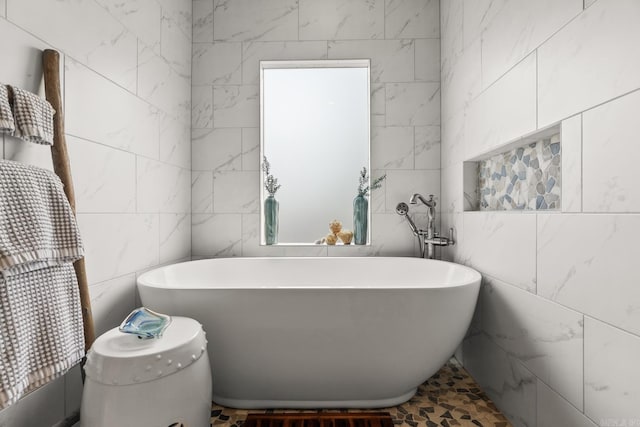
pixel 428 239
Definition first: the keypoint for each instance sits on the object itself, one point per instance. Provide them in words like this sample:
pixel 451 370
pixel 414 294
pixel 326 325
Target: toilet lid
pixel 117 358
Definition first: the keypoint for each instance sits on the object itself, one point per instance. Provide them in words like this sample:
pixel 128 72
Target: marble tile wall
pixel 401 37
pixel 556 336
pixel 127 98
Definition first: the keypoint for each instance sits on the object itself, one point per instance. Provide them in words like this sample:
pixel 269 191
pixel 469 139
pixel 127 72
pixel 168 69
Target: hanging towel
pixel 41 334
pixel 41 328
pixel 7 125
pixel 37 226
pixel 33 116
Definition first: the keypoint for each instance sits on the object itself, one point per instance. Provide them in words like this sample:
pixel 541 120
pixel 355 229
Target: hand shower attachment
pixel 403 209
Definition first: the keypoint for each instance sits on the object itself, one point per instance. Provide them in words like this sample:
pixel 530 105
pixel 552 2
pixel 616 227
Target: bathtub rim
pixel 306 404
pixel 147 280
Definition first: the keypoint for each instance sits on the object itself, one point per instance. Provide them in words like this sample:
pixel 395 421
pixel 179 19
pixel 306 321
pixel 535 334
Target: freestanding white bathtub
pixel 319 332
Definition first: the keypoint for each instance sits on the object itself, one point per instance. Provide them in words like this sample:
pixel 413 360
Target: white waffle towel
pixel 7 124
pixel 41 329
pixel 41 334
pixel 37 225
pixel 33 116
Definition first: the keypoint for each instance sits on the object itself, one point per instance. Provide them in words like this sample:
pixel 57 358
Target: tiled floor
pixel 449 398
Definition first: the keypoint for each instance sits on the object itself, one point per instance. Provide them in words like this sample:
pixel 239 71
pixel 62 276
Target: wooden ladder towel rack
pixel 61 166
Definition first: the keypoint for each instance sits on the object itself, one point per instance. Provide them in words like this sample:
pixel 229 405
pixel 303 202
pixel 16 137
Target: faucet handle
pixel 451 240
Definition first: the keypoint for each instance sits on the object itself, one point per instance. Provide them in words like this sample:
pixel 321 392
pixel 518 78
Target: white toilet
pixel 155 382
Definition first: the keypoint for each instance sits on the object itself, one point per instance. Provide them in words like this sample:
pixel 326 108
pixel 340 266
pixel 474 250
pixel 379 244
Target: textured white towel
pixel 41 334
pixel 7 124
pixel 33 116
pixel 41 329
pixel 37 225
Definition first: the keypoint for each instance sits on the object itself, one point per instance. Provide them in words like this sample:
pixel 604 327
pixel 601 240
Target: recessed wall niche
pixel 523 175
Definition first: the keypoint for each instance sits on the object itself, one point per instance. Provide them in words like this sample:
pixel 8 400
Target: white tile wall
pixel 201 192
pixel 175 237
pixel 236 192
pixel 605 63
pixel 392 147
pixel 597 275
pixel 572 164
pixel 201 107
pixel 412 19
pixel 161 187
pixel 140 17
pixel 502 244
pixel 115 60
pixel 104 179
pixel 26 70
pixel 111 301
pixel 126 122
pixel 202 21
pixel 413 104
pixel 175 34
pixel 400 184
pixel 175 135
pixel 43 407
pixel 251 149
pixel 341 20
pixel 127 92
pixel 510 385
pixel 118 244
pixel 391 60
pixel 504 111
pixel 236 106
pixel 216 235
pixel 217 63
pixel 426 147
pixel 580 69
pixel 245 20
pixel 612 379
pixel 427 67
pixel 160 84
pixel 554 410
pixel 519 28
pixel 253 52
pixel 216 149
pixel 609 170
pixel 546 337
pixel 401 38
pixel 479 16
pixel 461 78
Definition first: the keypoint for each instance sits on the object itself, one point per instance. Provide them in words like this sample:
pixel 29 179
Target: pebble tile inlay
pixel 449 398
pixel 526 178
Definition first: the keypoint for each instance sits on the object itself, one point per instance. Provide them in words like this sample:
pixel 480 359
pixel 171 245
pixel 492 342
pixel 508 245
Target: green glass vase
pixel 360 219
pixel 271 220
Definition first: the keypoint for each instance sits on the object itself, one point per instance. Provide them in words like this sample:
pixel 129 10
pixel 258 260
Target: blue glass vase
pixel 271 220
pixel 360 219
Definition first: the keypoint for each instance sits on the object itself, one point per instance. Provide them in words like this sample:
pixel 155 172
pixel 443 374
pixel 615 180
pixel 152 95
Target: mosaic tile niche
pixel 523 178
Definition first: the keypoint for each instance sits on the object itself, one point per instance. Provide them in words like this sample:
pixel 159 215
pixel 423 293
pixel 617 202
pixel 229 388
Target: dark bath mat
pixel 364 419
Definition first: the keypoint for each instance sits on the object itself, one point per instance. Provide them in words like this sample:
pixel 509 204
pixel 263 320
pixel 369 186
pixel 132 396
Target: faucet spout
pixel 430 203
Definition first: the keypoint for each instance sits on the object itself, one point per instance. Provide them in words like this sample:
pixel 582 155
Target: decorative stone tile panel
pixel 525 178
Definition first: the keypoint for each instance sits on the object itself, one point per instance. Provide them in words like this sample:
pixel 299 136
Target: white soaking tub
pixel 319 332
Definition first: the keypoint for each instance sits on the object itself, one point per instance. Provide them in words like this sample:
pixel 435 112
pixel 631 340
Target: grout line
pixel 535 272
pixel 581 163
pixel 537 92
pixel 584 384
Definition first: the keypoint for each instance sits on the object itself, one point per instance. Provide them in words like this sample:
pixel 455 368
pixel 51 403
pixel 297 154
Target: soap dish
pixel 145 323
